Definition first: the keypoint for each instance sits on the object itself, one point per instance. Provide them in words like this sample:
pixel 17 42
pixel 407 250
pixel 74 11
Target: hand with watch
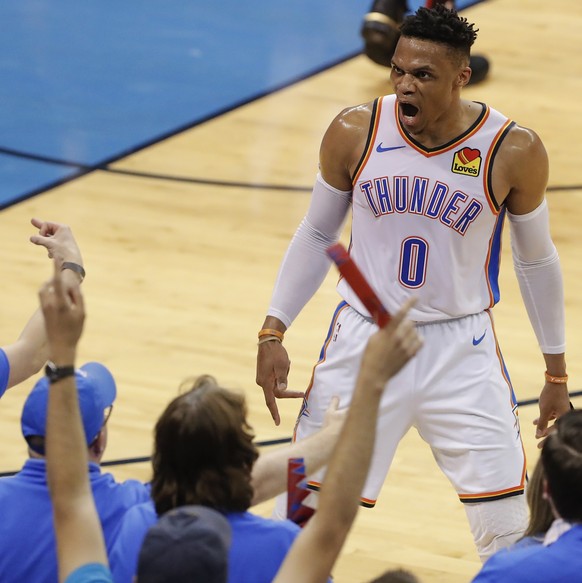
pixel 56 373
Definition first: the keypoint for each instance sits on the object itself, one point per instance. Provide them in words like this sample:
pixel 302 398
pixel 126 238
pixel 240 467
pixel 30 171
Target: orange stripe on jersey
pixel 372 133
pixel 494 254
pixel 488 166
pixel 429 152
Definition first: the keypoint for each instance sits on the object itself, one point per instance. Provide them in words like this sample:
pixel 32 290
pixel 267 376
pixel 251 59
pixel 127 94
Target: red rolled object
pixel 352 274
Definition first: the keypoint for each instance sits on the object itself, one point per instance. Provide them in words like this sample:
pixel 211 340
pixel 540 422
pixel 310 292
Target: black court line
pixel 534 401
pixel 564 187
pixel 138 460
pixel 251 185
pixel 84 169
pixel 209 182
pixel 46 159
pixel 267 443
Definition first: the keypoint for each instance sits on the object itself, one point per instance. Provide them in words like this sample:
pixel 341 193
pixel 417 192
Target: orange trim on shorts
pixel 516 491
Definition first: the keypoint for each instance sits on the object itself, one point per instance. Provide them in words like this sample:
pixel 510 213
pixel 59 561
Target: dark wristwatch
pixel 56 373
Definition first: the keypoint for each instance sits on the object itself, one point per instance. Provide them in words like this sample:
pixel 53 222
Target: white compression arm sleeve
pixel 306 263
pixel 537 267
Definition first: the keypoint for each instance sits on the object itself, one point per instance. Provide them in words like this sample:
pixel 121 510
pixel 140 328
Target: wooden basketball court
pixel 180 272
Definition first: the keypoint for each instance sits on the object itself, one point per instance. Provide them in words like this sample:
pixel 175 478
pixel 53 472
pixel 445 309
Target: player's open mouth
pixel 408 110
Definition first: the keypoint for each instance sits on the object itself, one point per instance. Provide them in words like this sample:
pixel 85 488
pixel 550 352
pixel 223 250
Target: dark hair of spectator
pixel 204 450
pixel 562 461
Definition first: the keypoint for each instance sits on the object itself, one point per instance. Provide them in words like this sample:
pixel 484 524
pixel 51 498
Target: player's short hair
pixel 562 461
pixel 203 450
pixel 441 25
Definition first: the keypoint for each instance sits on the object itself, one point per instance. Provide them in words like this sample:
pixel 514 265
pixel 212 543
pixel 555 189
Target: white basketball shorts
pixel 456 391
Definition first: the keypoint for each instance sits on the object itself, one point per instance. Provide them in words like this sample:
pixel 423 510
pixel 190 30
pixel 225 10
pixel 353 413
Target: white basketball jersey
pixel 425 222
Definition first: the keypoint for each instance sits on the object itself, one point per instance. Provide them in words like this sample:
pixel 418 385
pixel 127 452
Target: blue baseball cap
pixel 96 391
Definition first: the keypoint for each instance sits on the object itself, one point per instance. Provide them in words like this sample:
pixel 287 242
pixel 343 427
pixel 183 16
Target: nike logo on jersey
pixel 380 149
pixel 477 341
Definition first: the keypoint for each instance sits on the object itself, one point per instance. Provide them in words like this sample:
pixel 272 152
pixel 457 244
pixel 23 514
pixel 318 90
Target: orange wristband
pixel 271 332
pixel 556 380
pixel 268 339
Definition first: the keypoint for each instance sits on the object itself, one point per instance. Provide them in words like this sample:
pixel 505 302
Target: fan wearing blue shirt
pixel 558 559
pixel 27 534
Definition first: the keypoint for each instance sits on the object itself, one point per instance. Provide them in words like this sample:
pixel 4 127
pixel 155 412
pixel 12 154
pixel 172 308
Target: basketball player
pixel 430 178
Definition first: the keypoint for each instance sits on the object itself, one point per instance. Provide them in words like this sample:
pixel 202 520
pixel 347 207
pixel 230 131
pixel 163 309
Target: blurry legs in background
pixel 380 33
